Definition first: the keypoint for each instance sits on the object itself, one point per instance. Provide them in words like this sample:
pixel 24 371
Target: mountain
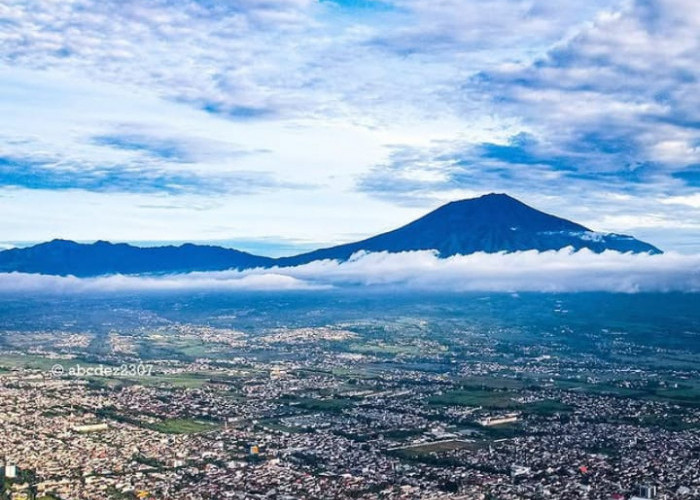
pixel 64 257
pixel 490 223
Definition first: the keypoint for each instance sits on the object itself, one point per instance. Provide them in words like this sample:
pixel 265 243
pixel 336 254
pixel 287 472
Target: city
pixel 403 408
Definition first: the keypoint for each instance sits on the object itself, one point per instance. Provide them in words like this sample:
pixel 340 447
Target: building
pixel 90 428
pixel 505 419
pixel 10 471
pixel 646 491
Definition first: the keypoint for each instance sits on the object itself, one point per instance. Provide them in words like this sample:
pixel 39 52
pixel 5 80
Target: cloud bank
pixel 554 271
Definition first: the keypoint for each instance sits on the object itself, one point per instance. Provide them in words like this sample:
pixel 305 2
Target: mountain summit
pixel 490 223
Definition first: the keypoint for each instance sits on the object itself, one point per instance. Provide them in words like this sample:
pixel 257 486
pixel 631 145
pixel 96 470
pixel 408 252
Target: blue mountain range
pixel 491 223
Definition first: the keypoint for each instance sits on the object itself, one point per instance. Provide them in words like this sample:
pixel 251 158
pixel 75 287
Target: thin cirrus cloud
pixel 135 177
pixel 176 148
pixel 554 271
pixel 166 149
pixel 134 161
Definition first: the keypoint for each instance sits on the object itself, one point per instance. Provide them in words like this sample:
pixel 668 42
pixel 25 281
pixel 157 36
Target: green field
pixel 493 382
pixel 442 446
pixel 35 362
pixel 687 392
pixel 498 400
pixel 384 349
pixel 331 404
pixel 190 380
pixel 184 380
pixel 183 426
pixel 275 425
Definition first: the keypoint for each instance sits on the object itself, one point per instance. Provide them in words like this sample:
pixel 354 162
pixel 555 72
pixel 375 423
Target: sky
pixel 282 125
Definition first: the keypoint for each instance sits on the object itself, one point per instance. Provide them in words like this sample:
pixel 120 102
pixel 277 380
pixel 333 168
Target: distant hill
pixel 490 223
pixel 62 257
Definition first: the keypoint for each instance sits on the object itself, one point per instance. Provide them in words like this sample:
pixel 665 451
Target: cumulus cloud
pixel 138 175
pixel 189 50
pixel 261 59
pixel 618 98
pixel 554 271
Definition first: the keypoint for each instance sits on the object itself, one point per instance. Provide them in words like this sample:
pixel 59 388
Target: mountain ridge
pixel 65 257
pixel 491 223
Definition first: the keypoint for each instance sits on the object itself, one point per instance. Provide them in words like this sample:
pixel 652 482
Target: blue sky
pixel 280 124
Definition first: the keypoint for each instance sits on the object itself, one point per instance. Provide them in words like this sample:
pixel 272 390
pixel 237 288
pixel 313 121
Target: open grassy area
pixel 441 446
pixel 499 400
pixel 384 349
pixel 36 362
pixel 275 425
pixel 183 380
pixel 183 426
pixel 8 361
pixel 438 453
pixel 358 372
pixel 330 404
pixel 609 389
pixel 670 423
pixel 493 382
pixel 179 380
pixel 685 393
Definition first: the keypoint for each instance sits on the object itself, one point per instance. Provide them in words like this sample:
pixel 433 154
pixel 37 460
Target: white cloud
pixel 555 271
pixel 692 200
pixel 298 57
pixel 22 282
pixel 624 87
pixel 520 271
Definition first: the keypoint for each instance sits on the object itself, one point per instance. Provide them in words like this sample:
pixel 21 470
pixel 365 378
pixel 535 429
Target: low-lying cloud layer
pixel 555 271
